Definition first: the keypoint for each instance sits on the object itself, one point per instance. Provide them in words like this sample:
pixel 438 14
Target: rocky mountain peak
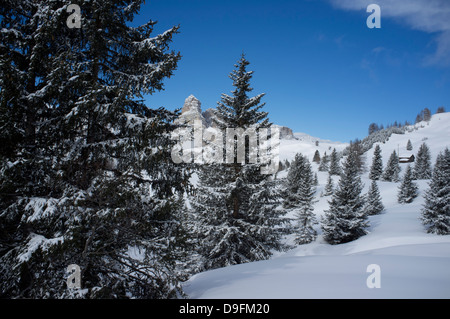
pixel 191 104
pixel 192 110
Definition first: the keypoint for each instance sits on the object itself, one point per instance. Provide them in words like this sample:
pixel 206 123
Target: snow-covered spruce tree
pixel 293 180
pixel 316 157
pixel 105 197
pixel 422 168
pixel 419 118
pixel 346 220
pixel 225 239
pixel 409 146
pixel 374 204
pixel 324 162
pixel 376 170
pixel 299 199
pixel 392 169
pixel 287 164
pixel 335 166
pixel 436 211
pixel 26 96
pixel 239 110
pixel 408 189
pixel 356 148
pixel 373 127
pixel 236 206
pixel 27 103
pixel 329 187
pixel 426 114
pixel 440 109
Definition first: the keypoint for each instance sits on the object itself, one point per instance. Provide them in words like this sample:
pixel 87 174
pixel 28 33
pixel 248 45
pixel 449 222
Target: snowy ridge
pixel 413 263
pixel 306 144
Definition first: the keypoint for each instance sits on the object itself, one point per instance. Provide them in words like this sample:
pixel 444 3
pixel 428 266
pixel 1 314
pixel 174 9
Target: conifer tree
pixel 392 169
pixel 239 110
pixel 105 194
pixel 426 114
pixel 335 166
pixel 356 148
pixel 226 239
pixel 422 168
pixel 345 220
pixel 408 188
pixel 419 118
pixel 376 170
pixel 323 166
pixel 300 198
pixel 293 181
pixel 287 164
pixel 436 210
pixel 329 187
pixel 316 157
pixel 236 204
pixel 374 205
pixel 373 127
pixel 409 146
pixel 281 166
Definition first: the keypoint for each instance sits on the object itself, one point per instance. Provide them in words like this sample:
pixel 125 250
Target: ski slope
pixel 412 263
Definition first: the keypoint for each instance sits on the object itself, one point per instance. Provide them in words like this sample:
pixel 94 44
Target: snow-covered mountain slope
pixel 435 133
pixel 307 145
pixel 412 263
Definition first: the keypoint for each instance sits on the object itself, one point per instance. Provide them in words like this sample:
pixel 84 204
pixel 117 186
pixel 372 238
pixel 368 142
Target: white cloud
pixel 432 16
pixel 442 54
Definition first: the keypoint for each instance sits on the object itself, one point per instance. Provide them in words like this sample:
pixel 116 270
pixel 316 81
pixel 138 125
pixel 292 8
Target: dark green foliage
pixel 324 163
pixel 87 178
pixel 329 187
pixel 356 148
pixel 374 205
pixel 408 188
pixel 409 146
pixel 239 110
pixel 373 127
pixel 392 169
pixel 345 220
pixel 422 168
pixel 299 198
pixel 335 166
pixel 236 221
pixel 235 208
pixel 440 109
pixel 426 114
pixel 316 157
pixel 376 170
pixel 436 210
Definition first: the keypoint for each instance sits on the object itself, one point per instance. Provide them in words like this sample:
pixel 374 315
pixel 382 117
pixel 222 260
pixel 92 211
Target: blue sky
pixel 323 70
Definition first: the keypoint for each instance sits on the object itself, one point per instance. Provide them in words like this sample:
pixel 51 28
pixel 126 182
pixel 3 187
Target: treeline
pixel 347 216
pixel 424 115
